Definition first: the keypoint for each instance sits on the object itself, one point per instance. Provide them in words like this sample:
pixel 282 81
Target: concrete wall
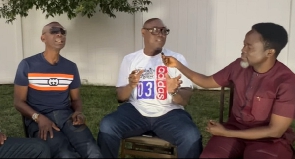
pixel 209 33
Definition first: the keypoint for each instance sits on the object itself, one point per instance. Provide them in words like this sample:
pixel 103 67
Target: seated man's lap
pixel 178 128
pixel 125 122
pixel 70 138
pixel 59 144
pixel 224 147
pixel 176 125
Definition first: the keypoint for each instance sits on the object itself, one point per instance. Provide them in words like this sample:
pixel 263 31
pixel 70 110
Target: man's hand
pixel 45 126
pixel 173 83
pixel 2 138
pixel 78 118
pixel 134 78
pixel 216 128
pixel 170 61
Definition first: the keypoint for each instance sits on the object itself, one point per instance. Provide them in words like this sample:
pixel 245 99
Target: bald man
pixel 155 98
pixel 46 92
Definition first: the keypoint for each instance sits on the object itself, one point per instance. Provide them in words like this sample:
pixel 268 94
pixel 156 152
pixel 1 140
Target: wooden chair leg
pixel 142 147
pixel 123 149
pixel 231 99
pixel 221 106
pixel 25 127
pixel 175 152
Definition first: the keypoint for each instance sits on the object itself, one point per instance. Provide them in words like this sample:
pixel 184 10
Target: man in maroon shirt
pixel 264 99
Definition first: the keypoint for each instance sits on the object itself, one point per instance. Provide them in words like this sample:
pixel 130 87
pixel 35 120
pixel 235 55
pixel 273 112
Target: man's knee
pixel 108 124
pixel 116 121
pixel 214 152
pixel 207 154
pixel 63 149
pixel 210 154
pixel 93 151
pixel 268 151
pixel 40 147
pixel 60 146
pixel 191 134
pixel 37 145
pixel 67 154
pixel 223 147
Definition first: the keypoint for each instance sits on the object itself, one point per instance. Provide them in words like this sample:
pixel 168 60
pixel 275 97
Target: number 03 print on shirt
pixel 154 87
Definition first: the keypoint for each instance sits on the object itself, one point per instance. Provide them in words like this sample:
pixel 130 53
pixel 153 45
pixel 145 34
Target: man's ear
pixel 42 38
pixel 142 32
pixel 270 52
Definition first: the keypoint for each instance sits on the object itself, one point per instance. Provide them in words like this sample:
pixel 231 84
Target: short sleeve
pixel 76 83
pixel 223 77
pixel 123 73
pixel 284 104
pixel 21 77
pixel 185 81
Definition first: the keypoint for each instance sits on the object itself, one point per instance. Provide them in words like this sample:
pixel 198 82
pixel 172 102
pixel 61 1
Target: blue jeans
pixel 175 127
pixel 71 141
pixel 24 148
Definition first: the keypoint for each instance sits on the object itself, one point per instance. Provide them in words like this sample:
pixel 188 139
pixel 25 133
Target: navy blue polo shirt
pixel 48 85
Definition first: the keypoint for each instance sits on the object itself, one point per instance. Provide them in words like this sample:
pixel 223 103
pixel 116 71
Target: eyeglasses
pixel 57 30
pixel 156 31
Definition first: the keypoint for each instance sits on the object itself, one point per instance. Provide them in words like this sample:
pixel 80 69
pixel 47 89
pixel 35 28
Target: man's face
pixel 154 34
pixel 253 52
pixel 54 36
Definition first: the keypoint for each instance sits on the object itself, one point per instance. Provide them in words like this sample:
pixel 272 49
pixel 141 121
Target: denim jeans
pixel 71 141
pixel 24 148
pixel 175 127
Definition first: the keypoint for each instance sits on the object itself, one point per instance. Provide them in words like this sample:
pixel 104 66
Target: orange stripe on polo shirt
pixel 51 75
pixel 48 88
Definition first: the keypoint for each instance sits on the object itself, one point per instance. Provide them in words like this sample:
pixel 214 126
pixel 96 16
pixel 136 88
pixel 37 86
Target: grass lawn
pixel 101 100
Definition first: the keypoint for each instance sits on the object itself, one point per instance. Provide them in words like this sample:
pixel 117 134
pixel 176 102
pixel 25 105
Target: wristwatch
pixel 35 116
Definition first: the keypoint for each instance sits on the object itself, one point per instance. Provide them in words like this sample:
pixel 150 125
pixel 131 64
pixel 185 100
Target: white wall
pixel 11 49
pixel 291 46
pixel 96 45
pixel 209 33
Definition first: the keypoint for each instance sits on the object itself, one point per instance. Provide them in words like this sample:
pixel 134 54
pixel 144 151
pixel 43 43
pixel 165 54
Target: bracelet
pixel 173 94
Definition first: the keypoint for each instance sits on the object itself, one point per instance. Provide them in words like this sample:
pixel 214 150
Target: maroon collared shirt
pixel 258 95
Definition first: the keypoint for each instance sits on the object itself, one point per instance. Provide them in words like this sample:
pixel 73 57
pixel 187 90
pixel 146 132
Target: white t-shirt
pixel 151 97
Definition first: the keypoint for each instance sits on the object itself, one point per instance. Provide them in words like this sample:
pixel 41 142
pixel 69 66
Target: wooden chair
pixel 148 146
pixel 221 106
pixel 25 127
